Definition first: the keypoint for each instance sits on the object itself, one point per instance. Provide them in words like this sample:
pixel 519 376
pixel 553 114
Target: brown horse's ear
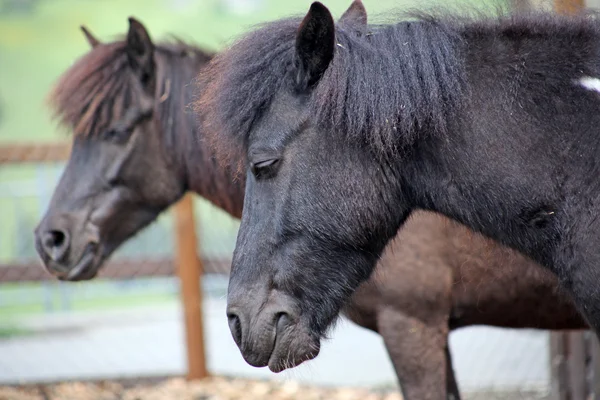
pixel 355 16
pixel 140 52
pixel 315 44
pixel 90 38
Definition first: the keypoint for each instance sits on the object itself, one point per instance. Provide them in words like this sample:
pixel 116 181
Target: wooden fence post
pixel 571 366
pixel 190 270
pixel 595 365
pixel 568 6
pixel 567 349
pixel 559 382
pixel 578 365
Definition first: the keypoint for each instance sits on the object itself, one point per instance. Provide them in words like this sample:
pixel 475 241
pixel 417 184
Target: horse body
pixel 521 164
pixel 435 277
pixel 460 279
pixel 465 278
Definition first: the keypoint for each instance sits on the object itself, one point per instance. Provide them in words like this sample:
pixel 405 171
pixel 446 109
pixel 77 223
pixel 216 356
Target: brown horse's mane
pixel 100 86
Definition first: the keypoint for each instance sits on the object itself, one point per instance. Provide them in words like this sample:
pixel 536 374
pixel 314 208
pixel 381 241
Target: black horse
pixel 492 121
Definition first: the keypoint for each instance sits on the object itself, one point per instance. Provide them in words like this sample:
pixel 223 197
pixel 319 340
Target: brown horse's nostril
pixel 55 243
pixel 235 326
pixel 54 239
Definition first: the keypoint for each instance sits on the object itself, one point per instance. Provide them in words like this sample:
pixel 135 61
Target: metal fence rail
pixel 117 269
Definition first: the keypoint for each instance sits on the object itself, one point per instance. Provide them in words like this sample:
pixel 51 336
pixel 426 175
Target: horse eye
pixel 260 168
pixel 114 181
pixel 110 134
pixel 116 135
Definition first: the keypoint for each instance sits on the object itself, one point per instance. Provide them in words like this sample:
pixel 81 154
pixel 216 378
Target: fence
pixel 575 365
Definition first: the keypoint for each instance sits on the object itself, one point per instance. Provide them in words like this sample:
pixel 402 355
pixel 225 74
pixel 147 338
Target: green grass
pixel 12 317
pixel 7 332
pixel 110 303
pixel 104 298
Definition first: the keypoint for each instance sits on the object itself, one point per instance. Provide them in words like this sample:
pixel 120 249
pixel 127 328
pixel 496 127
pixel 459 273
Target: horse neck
pixel 463 182
pixel 216 184
pixel 192 156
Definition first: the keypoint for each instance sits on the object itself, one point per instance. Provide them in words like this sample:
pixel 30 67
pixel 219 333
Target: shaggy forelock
pixel 238 84
pixel 79 97
pixel 381 88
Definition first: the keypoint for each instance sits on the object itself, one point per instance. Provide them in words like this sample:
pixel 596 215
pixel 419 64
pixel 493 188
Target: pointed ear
pixel 355 17
pixel 315 44
pixel 140 51
pixel 89 37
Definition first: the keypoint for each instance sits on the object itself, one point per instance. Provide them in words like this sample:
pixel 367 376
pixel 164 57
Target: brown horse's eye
pixel 117 135
pixel 264 169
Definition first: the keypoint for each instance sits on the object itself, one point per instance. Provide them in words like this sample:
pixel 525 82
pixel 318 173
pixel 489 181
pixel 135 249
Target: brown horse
pixel 134 155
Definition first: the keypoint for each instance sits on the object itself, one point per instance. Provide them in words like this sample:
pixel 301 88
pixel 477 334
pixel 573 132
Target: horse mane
pixel 383 88
pixel 99 87
pixel 392 81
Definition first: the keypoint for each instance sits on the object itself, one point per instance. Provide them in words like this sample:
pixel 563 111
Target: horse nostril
pixel 235 326
pixel 283 321
pixel 54 239
pixel 55 244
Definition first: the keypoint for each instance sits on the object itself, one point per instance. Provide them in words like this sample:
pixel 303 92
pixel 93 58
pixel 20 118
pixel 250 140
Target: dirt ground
pixel 216 388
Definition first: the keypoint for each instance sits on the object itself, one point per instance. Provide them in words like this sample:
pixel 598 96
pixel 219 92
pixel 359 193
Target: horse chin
pixel 86 268
pixel 292 349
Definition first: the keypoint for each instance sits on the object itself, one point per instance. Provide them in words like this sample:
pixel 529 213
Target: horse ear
pixel 89 37
pixel 355 16
pixel 315 44
pixel 140 51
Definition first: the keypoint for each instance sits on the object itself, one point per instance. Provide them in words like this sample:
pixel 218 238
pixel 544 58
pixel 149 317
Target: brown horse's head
pixel 126 164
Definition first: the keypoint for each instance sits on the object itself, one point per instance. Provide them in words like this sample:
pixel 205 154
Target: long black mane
pixel 383 88
pixel 395 78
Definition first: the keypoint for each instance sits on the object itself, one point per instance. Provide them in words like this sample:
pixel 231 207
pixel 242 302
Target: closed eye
pixel 263 168
pixel 117 135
